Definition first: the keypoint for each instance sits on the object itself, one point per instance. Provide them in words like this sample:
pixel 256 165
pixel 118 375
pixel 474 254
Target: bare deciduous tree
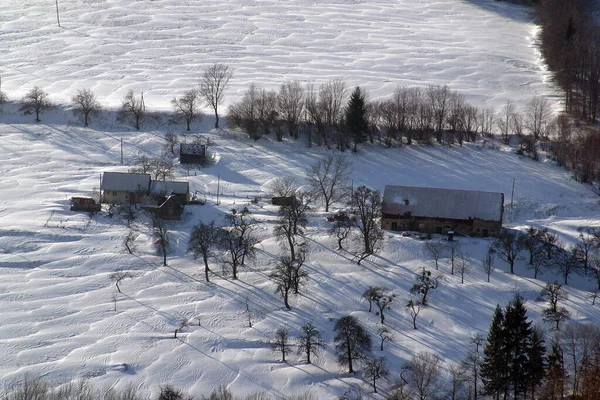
pixel 284 276
pixel 423 375
pixel 119 276
pixel 161 241
pixel 129 241
pixel 162 168
pixel 281 342
pixel 414 308
pixel 505 121
pixel 171 141
pixel 508 246
pixel 85 104
pixel 133 108
pixel 352 342
pixel 453 247
pixel 384 334
pixel 366 205
pixel 202 242
pixel 213 85
pixel 488 262
pixel 436 250
pixel 35 102
pixel 143 165
pixel 374 370
pixel 182 324
pixel 290 105
pixel 553 293
pixel 463 265
pixel 538 116
pixel 284 186
pixel 328 179
pixel 341 229
pixel 187 107
pixel 309 342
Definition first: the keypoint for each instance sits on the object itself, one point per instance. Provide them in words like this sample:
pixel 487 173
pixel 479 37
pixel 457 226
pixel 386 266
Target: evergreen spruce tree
pixel 536 354
pixel 356 118
pixel 518 334
pixel 555 374
pixel 494 365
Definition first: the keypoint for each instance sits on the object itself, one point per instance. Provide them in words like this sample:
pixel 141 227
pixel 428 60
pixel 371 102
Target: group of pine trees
pixel 514 356
pixel 517 364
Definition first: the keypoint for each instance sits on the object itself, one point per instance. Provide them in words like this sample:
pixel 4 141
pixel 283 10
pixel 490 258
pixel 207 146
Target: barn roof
pixel 443 203
pixel 169 187
pixel 122 181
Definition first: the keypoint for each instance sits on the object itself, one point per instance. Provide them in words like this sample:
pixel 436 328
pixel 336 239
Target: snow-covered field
pixel 483 48
pixel 56 298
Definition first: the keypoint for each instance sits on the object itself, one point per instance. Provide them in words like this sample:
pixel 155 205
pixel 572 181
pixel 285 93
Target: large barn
pixel 434 210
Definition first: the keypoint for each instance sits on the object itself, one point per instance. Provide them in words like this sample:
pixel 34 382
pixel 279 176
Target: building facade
pixel 435 210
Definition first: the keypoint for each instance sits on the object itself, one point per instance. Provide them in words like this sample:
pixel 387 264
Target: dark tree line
pixel 570 39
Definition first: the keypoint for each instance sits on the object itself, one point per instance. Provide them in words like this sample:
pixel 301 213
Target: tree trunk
pixel 206 268
pixel 350 369
pixel 285 300
pixel 216 119
pixel 164 257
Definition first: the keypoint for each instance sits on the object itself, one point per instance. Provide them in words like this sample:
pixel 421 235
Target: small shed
pixel 168 188
pixel 192 153
pixel 169 209
pixel 84 204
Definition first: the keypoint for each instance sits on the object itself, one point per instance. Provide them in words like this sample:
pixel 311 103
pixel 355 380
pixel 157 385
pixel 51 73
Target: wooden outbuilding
pixel 435 210
pixel 165 189
pixel 170 208
pixel 192 153
pixel 88 204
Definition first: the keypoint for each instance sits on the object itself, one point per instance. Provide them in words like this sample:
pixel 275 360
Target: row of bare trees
pixel 410 114
pixel 209 91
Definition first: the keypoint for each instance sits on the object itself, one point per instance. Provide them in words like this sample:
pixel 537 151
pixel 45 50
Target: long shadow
pixel 512 9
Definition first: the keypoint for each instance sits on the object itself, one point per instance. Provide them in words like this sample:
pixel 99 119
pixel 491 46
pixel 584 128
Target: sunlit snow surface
pixel 56 298
pixel 482 48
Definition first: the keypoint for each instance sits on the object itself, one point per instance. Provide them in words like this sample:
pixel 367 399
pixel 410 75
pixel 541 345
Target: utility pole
pixel 121 151
pixel 218 187
pixel 512 195
pixel 57 16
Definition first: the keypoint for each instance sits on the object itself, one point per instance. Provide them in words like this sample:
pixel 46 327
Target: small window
pixel 439 229
pixel 114 193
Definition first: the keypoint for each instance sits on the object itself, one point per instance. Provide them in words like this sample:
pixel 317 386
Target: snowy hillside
pixel 485 49
pixel 57 315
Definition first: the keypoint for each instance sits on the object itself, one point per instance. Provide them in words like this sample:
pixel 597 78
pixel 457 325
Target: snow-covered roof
pixel 169 187
pixel 443 203
pixel 122 181
pixel 192 149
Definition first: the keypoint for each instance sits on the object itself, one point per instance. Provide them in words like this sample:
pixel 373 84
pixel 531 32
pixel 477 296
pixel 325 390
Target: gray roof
pixel 169 187
pixel 443 203
pixel 125 182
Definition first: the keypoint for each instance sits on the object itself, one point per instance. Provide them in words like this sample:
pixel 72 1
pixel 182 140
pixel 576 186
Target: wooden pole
pixel 218 187
pixel 57 15
pixel 512 195
pixel 121 151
